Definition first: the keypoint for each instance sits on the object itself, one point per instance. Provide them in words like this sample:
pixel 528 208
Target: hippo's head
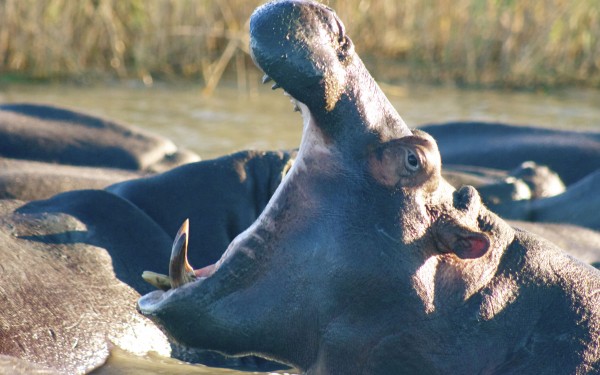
pixel 304 48
pixel 362 242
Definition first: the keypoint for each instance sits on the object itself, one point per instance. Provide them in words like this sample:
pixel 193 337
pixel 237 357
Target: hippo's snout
pixel 302 45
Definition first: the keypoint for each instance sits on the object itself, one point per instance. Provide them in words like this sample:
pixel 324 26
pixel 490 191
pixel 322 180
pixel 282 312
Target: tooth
pixel 275 86
pixel 180 271
pixel 266 79
pixel 157 279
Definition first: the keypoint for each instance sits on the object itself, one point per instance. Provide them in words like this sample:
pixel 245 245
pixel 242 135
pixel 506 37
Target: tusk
pixel 158 280
pixel 180 271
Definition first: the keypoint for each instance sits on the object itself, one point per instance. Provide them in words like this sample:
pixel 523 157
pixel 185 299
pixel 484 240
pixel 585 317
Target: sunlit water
pixel 231 120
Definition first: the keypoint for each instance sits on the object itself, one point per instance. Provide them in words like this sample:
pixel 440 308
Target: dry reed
pixel 472 42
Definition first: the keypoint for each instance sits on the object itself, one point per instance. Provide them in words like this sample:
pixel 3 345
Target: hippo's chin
pixel 148 303
pixel 153 301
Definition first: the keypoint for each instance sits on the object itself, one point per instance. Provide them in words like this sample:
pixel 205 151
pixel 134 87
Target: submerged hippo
pixel 58 135
pixel 365 260
pixel 30 180
pixel 572 154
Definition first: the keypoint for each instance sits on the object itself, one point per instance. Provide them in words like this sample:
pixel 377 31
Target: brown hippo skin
pixel 62 306
pixel 366 261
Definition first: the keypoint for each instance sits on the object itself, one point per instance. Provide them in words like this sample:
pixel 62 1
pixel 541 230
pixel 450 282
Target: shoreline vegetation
pixel 472 43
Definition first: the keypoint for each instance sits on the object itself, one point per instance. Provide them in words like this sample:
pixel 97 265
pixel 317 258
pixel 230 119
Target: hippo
pixel 28 180
pixel 222 197
pixel 72 266
pixel 571 154
pixel 46 150
pixel 58 135
pixel 501 188
pixel 366 260
pixel 541 180
pixel 532 193
pixel 578 205
pixel 62 306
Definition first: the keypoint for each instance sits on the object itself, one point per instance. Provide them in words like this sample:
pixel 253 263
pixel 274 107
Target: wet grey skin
pixel 46 133
pixel 346 116
pixel 365 260
pixel 304 48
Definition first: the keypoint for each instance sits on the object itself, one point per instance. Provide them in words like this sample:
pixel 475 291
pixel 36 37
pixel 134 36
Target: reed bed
pixel 507 43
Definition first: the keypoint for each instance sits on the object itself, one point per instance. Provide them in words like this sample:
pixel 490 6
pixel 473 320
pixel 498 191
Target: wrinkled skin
pixel 81 253
pixel 571 154
pixel 365 261
pixel 62 306
pixel 58 135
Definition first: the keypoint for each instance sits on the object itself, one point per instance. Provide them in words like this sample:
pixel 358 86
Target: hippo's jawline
pixel 196 276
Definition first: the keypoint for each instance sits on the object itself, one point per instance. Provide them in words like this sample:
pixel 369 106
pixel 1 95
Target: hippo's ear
pixel 462 241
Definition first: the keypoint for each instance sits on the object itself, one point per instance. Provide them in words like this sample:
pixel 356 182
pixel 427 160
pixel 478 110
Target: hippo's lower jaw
pixel 180 271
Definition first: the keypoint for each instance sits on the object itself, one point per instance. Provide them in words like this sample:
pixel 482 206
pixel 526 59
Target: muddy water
pixel 258 118
pixel 230 120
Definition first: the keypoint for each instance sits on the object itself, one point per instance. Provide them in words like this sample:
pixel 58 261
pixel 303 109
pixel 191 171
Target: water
pixel 263 119
pixel 232 120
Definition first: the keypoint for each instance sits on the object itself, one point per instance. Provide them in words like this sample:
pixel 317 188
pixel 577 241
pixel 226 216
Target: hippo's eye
pixel 412 161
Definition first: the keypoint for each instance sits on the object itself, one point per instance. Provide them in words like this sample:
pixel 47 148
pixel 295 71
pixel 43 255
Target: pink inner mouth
pixel 205 271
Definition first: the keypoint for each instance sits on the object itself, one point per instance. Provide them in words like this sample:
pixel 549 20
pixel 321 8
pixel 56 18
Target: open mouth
pixel 266 79
pixel 180 270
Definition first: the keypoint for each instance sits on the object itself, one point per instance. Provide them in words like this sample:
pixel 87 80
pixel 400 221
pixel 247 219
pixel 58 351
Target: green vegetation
pixel 506 43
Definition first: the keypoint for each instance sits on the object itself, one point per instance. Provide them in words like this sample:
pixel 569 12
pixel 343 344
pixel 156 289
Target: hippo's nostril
pixel 346 48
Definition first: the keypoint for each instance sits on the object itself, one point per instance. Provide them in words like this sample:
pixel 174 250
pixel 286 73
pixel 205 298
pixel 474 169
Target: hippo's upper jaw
pixel 303 47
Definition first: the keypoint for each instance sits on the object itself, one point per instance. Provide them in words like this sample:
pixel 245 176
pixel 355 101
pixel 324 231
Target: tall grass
pixel 473 42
